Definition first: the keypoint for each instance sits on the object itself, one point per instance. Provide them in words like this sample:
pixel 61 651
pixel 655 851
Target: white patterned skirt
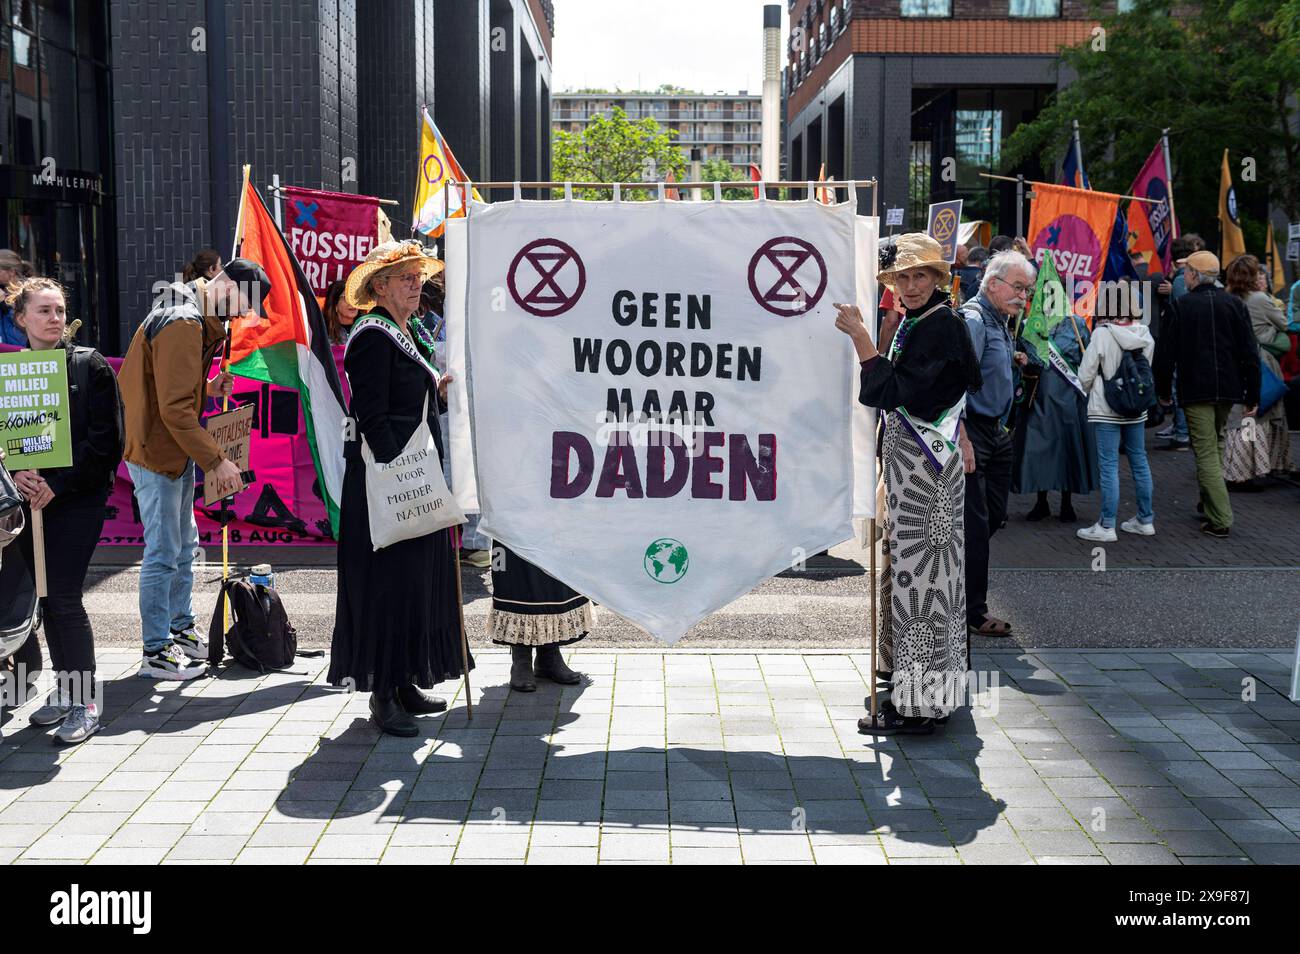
pixel 923 585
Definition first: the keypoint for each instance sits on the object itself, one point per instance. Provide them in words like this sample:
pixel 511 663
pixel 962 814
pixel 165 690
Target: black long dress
pixel 397 621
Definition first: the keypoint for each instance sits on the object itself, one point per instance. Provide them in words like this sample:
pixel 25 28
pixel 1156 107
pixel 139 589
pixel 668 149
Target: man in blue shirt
pixel 10 269
pixel 1004 293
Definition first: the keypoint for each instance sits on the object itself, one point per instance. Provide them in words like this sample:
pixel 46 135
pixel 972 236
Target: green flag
pixel 1046 311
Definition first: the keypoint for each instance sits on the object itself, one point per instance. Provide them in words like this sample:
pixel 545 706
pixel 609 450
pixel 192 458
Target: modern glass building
pixel 55 158
pixel 892 88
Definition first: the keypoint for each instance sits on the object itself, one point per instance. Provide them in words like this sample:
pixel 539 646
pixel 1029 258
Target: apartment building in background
pixel 722 125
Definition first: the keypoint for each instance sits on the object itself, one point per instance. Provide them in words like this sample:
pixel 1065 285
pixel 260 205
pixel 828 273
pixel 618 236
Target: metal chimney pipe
pixel 771 143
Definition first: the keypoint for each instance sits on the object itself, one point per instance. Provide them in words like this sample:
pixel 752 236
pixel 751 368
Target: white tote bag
pixel 408 497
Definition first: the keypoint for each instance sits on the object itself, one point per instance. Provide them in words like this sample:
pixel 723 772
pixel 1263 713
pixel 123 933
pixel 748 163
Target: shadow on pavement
pixel 502 768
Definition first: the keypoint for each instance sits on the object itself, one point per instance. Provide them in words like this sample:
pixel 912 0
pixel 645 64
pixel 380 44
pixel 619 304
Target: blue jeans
pixel 1179 425
pixel 170 541
pixel 1132 437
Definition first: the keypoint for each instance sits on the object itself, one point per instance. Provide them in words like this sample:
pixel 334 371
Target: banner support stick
pixel 1020 206
pixel 1021 179
pixel 1169 177
pixel 38 553
pixel 279 201
pixel 464 637
pixel 225 406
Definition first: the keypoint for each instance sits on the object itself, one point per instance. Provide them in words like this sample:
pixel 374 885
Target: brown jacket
pixel 163 378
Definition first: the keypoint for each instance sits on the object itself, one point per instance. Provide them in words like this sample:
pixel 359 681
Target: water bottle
pixel 261 575
pixel 262 578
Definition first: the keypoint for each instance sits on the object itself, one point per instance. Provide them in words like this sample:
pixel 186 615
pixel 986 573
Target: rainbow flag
pixel 438 167
pixel 289 347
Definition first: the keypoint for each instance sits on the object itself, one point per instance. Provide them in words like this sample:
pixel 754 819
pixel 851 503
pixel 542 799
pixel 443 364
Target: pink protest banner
pixel 280 506
pixel 330 232
pixel 1152 223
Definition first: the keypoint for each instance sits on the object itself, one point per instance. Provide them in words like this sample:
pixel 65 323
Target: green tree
pixel 1220 74
pixel 615 149
pixel 721 170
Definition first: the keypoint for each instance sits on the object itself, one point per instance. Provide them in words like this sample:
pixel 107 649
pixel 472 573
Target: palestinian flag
pixel 290 348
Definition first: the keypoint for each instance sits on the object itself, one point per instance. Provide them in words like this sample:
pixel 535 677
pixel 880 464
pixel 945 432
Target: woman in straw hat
pixel 922 385
pixel 397 623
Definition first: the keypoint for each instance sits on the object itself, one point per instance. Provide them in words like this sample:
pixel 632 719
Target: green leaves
pixel 1222 73
pixel 615 148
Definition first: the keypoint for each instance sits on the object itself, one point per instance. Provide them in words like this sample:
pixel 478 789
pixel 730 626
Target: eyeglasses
pixel 1018 287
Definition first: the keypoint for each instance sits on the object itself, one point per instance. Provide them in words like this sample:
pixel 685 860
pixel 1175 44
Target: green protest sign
pixel 34 428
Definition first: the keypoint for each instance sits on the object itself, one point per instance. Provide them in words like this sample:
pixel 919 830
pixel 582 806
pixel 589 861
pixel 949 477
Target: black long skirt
pixel 532 608
pixel 397 622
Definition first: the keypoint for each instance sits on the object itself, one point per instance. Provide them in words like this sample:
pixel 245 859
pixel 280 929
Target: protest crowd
pixel 938 366
pixel 991 376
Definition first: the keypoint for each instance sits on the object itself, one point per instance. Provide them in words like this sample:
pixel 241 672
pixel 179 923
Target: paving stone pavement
pixel 684 757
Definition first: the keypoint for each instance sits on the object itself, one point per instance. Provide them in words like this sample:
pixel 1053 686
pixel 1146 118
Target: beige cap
pixel 1207 263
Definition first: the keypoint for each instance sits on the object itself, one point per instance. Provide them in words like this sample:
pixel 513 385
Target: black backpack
pixel 260 635
pixel 1131 390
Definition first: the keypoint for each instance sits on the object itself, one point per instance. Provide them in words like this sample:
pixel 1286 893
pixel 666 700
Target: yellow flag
pixel 1231 244
pixel 1273 262
pixel 435 201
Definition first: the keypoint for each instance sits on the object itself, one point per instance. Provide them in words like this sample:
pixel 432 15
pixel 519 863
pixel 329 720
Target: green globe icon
pixel 666 560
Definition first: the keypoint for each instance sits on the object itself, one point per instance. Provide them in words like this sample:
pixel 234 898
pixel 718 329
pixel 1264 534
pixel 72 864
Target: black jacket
pixel 388 390
pixel 1206 337
pixel 98 434
pixel 934 367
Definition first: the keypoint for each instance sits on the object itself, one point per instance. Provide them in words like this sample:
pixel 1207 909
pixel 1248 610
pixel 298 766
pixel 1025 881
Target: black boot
pixel 417 702
pixel 521 669
pixel 1040 509
pixel 550 665
pixel 1067 509
pixel 387 713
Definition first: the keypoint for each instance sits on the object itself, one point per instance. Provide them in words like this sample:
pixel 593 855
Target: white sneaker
pixel 53 712
pixel 191 643
pixel 81 723
pixel 1138 527
pixel 170 663
pixel 1097 534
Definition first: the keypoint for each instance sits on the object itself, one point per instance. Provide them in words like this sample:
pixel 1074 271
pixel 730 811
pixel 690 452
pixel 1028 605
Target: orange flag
pixel 1073 226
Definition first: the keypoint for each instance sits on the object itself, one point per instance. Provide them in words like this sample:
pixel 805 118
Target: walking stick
pixel 464 637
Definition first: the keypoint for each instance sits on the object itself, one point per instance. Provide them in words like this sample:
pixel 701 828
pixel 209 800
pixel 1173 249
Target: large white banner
pixel 661 406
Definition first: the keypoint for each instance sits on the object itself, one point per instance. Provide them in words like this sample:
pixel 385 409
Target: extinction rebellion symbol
pixel 787 276
pixel 546 278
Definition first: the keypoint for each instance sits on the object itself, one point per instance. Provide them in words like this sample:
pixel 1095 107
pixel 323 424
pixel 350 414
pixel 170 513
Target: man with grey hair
pixel 1004 293
pixel 1206 339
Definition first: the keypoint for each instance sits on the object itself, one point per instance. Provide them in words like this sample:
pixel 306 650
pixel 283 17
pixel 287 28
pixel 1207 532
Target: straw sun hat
pixel 911 250
pixel 384 256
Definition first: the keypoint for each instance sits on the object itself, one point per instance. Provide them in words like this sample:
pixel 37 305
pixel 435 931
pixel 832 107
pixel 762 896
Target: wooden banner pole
pixel 38 553
pixel 1119 195
pixel 464 637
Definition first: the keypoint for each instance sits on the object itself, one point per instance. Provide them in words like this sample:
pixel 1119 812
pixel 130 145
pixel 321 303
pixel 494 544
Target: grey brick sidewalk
pixel 1265 531
pixel 685 757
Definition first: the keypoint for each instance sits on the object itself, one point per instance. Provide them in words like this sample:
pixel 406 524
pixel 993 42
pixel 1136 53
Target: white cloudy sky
pixel 708 45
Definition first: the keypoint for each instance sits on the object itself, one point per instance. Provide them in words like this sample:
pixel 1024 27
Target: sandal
pixel 991 627
pixel 889 722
